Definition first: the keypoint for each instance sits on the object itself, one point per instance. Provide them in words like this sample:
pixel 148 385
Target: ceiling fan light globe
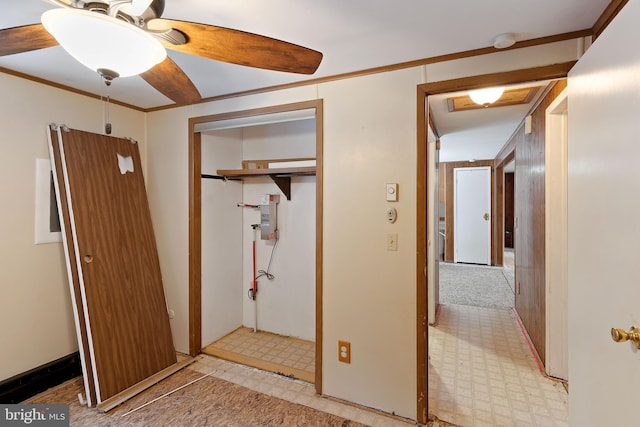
pixel 102 42
pixel 486 96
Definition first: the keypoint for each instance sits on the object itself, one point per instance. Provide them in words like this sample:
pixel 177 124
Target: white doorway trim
pixel 556 282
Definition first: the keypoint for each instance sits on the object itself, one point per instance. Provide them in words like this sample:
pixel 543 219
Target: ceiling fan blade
pixel 240 47
pixel 24 39
pixel 172 82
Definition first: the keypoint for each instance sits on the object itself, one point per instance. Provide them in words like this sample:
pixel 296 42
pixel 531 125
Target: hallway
pixel 482 372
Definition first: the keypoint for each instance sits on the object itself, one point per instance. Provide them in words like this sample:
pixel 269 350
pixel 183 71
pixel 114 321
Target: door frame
pixel 556 236
pixel 556 71
pixel 195 220
pixel 433 228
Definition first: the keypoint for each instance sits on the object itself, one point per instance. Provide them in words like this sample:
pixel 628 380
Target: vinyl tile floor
pixel 293 390
pixel 482 372
pixel 272 352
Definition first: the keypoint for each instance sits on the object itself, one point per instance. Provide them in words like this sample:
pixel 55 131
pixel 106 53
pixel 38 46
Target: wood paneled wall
pixel 530 223
pixel 448 168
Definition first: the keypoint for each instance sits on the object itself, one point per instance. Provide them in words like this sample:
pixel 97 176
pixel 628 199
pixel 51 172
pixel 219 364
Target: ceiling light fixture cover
pixel 486 96
pixel 504 40
pixel 102 42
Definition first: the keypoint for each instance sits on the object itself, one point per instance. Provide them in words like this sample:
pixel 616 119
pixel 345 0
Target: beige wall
pixel 35 307
pixel 369 292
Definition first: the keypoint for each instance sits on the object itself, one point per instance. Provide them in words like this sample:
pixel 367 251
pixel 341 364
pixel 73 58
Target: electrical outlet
pixel 344 351
pixel 392 242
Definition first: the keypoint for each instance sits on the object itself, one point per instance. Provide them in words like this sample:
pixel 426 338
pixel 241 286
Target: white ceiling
pixel 353 35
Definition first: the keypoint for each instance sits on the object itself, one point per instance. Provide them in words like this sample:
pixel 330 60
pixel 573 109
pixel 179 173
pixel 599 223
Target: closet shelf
pixel 242 173
pixel 280 176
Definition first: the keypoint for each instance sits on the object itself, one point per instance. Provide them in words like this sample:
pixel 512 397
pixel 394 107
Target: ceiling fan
pixel 144 16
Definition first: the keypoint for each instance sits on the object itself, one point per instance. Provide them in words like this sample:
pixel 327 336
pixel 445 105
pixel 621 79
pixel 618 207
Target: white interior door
pixel 472 218
pixel 604 237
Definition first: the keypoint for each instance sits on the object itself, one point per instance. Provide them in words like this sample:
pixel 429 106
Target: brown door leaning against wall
pixel 117 257
pixel 72 268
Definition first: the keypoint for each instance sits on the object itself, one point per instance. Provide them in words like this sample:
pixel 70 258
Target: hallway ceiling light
pixel 504 40
pixel 101 42
pixel 486 96
pixel 512 96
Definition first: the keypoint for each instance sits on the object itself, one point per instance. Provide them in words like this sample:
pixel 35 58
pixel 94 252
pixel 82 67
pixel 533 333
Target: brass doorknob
pixel 620 335
pixel 486 216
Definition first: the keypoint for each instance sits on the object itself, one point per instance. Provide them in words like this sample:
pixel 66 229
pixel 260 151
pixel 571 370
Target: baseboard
pixel 23 386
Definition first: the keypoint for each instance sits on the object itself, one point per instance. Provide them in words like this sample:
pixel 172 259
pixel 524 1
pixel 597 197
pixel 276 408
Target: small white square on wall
pixel 47 227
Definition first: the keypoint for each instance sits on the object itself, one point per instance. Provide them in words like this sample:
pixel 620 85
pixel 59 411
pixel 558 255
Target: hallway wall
pixel 530 219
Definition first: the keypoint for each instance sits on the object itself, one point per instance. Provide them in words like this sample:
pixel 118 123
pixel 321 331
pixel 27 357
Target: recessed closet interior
pixel 276 329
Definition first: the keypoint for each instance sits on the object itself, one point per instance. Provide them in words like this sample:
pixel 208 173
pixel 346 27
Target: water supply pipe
pixel 254 289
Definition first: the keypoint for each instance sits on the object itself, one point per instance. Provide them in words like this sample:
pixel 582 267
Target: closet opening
pixel 256 238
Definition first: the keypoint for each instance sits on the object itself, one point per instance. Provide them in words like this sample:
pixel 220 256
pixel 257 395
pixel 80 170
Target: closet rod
pixel 224 178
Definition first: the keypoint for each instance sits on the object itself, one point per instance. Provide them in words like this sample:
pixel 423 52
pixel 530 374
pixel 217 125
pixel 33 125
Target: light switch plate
pixel 392 242
pixel 392 192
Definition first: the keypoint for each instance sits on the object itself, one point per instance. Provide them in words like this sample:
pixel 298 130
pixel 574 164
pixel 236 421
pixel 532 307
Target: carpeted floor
pixel 208 402
pixel 479 286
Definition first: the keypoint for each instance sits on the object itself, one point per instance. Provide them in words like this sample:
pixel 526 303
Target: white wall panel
pixel 369 292
pixel 222 290
pixel 286 304
pixel 168 188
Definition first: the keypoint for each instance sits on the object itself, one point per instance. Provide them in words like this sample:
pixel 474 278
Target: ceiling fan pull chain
pixel 107 124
